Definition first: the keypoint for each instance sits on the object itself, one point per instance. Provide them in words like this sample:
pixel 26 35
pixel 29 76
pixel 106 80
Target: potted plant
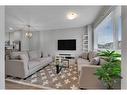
pixel 110 72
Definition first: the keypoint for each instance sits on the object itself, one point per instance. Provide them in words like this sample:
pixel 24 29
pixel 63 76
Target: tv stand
pixel 67 56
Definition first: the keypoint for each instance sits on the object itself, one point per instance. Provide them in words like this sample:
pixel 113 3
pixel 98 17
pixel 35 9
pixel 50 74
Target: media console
pixel 67 56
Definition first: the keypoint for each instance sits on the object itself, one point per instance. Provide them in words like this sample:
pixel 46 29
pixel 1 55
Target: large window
pixel 104 34
pixel 107 35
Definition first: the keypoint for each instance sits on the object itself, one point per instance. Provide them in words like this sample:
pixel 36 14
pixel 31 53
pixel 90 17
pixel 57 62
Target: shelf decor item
pixel 85 42
pixel 17 45
pixel 110 72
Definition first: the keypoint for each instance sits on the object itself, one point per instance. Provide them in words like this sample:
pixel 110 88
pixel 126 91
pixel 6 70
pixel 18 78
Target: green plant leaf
pixel 110 72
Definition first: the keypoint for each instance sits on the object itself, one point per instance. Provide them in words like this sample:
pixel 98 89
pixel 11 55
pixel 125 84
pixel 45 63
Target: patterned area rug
pixel 47 77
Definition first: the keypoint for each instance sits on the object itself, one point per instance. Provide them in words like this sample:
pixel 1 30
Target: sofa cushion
pixel 82 62
pixel 15 55
pixel 84 55
pixel 92 54
pixel 102 61
pixel 33 55
pixel 46 60
pixel 33 63
pixel 24 56
pixel 95 61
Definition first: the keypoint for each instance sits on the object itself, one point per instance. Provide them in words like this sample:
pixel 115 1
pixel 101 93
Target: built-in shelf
pixel 85 41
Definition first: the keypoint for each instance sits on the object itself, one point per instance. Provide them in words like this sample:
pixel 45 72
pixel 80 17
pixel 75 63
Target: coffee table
pixel 61 65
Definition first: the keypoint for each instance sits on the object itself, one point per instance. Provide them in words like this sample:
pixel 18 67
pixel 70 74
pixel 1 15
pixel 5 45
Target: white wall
pixel 35 41
pixel 124 48
pixel 6 36
pixel 20 35
pixel 49 40
pixel 2 68
pixel 101 16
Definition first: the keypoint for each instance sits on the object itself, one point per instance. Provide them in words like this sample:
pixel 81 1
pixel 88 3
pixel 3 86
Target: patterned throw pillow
pixel 91 55
pixel 95 61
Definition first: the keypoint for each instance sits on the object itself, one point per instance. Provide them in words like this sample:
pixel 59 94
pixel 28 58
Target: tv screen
pixel 67 44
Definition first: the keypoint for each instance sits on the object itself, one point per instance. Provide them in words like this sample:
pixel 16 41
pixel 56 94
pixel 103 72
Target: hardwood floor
pixel 16 86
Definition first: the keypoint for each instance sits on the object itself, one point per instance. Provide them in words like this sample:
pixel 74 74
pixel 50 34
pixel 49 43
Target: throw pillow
pixel 95 61
pixel 39 53
pixel 24 57
pixel 92 54
pixel 15 55
pixel 84 55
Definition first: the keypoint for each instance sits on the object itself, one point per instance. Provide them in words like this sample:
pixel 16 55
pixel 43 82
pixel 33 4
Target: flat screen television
pixel 69 44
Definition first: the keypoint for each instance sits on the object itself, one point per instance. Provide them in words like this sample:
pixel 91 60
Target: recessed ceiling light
pixel 72 15
pixel 10 28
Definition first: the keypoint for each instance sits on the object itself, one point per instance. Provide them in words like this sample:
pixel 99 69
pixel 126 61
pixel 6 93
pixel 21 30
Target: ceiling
pixel 49 17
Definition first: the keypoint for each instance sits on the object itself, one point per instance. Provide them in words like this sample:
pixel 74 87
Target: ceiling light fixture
pixel 72 15
pixel 10 28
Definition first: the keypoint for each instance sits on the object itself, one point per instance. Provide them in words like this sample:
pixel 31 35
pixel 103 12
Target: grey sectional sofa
pixel 23 64
pixel 87 68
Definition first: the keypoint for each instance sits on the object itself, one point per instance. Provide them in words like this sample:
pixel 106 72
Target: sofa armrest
pixel 16 68
pixel 88 79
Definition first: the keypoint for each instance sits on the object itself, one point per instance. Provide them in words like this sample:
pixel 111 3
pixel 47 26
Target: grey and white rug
pixel 47 77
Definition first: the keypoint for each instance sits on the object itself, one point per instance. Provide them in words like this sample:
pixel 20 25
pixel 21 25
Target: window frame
pixel 115 14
